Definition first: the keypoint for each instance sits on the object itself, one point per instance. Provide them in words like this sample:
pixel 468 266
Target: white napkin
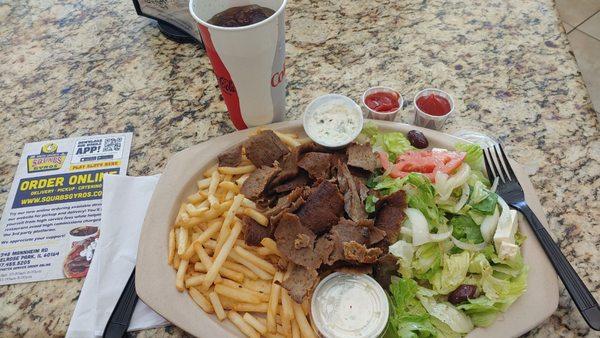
pixel 124 203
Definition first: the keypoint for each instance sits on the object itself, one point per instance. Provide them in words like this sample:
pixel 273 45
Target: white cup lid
pixel 349 306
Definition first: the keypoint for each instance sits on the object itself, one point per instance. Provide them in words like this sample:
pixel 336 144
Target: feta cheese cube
pixel 505 232
pixel 508 251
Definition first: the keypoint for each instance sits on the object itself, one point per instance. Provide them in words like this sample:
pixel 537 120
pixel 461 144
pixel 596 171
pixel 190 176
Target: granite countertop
pixel 75 67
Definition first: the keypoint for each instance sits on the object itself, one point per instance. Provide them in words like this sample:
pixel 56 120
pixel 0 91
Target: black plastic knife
pixel 121 316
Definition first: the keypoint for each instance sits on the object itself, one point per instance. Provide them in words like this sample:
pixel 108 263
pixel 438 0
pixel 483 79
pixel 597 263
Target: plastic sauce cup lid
pixel 349 306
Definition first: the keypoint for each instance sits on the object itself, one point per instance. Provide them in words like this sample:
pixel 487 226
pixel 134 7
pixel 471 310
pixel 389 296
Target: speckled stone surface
pixel 73 67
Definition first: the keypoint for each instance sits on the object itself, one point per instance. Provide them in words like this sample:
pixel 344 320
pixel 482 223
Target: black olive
pixel 462 293
pixel 417 139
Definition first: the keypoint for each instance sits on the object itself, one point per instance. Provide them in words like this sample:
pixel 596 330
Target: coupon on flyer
pixel 49 226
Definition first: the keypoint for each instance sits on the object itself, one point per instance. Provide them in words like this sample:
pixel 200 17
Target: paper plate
pixel 155 279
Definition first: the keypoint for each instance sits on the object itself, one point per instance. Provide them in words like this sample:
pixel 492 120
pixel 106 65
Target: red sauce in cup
pixel 433 104
pixel 382 101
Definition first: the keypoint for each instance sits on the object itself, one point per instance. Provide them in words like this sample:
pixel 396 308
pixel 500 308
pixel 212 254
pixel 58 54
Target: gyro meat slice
pixel 264 148
pixel 323 207
pixel 255 185
pixel 296 242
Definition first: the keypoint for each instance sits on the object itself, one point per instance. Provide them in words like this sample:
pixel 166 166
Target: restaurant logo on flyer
pixel 48 159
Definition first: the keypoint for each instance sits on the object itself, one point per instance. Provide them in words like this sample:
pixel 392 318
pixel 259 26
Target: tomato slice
pixel 426 162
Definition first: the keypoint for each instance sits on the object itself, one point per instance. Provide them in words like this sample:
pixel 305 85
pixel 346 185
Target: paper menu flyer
pixel 49 226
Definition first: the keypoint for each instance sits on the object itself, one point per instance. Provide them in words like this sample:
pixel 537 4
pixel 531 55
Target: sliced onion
pixel 441 236
pixel 468 246
pixel 458 179
pixel 488 226
pixel 419 225
pixel 466 191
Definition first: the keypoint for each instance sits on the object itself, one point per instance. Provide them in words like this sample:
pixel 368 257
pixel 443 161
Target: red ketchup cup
pixel 382 103
pixel 432 108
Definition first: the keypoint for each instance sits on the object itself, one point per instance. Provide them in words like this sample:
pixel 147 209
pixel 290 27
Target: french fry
pixel 240 181
pixel 295 330
pixel 245 169
pixel 171 245
pixel 249 307
pixel 235 205
pixel 256 215
pixel 213 271
pixel 228 303
pixel 258 286
pixel 229 186
pixel 190 208
pixel 180 214
pixel 182 240
pixel 274 335
pixel 304 140
pixel 216 304
pixel 206 260
pixel 262 251
pixel 287 312
pixel 259 262
pixel 203 184
pixel 210 244
pixel 206 235
pixel 238 321
pixel 230 283
pixel 258 271
pixel 230 194
pixel 209 171
pixel 200 267
pixel 288 139
pixel 240 295
pixel 240 268
pixel 195 198
pixel 233 275
pixel 257 325
pixel 201 300
pixel 179 277
pixel 214 212
pixel 274 302
pixel 279 328
pixel 303 324
pixel 248 204
pixel 237 292
pixel 270 243
pixel 212 188
pixel 225 230
pixel 306 306
pixel 194 280
pixel 176 261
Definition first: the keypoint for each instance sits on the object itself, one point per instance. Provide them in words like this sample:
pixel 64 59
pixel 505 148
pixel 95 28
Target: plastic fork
pixel 509 188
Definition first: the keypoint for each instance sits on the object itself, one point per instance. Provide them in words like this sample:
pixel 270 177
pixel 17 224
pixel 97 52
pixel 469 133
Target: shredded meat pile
pixel 314 198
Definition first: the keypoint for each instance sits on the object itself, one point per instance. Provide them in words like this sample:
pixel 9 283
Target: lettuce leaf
pixel 454 271
pixel 482 199
pixel 408 317
pixel 386 184
pixel 404 251
pixel 485 309
pixel 448 314
pixel 465 229
pixel 421 195
pixel 474 157
pixel 427 260
pixel 393 143
pixel 370 202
